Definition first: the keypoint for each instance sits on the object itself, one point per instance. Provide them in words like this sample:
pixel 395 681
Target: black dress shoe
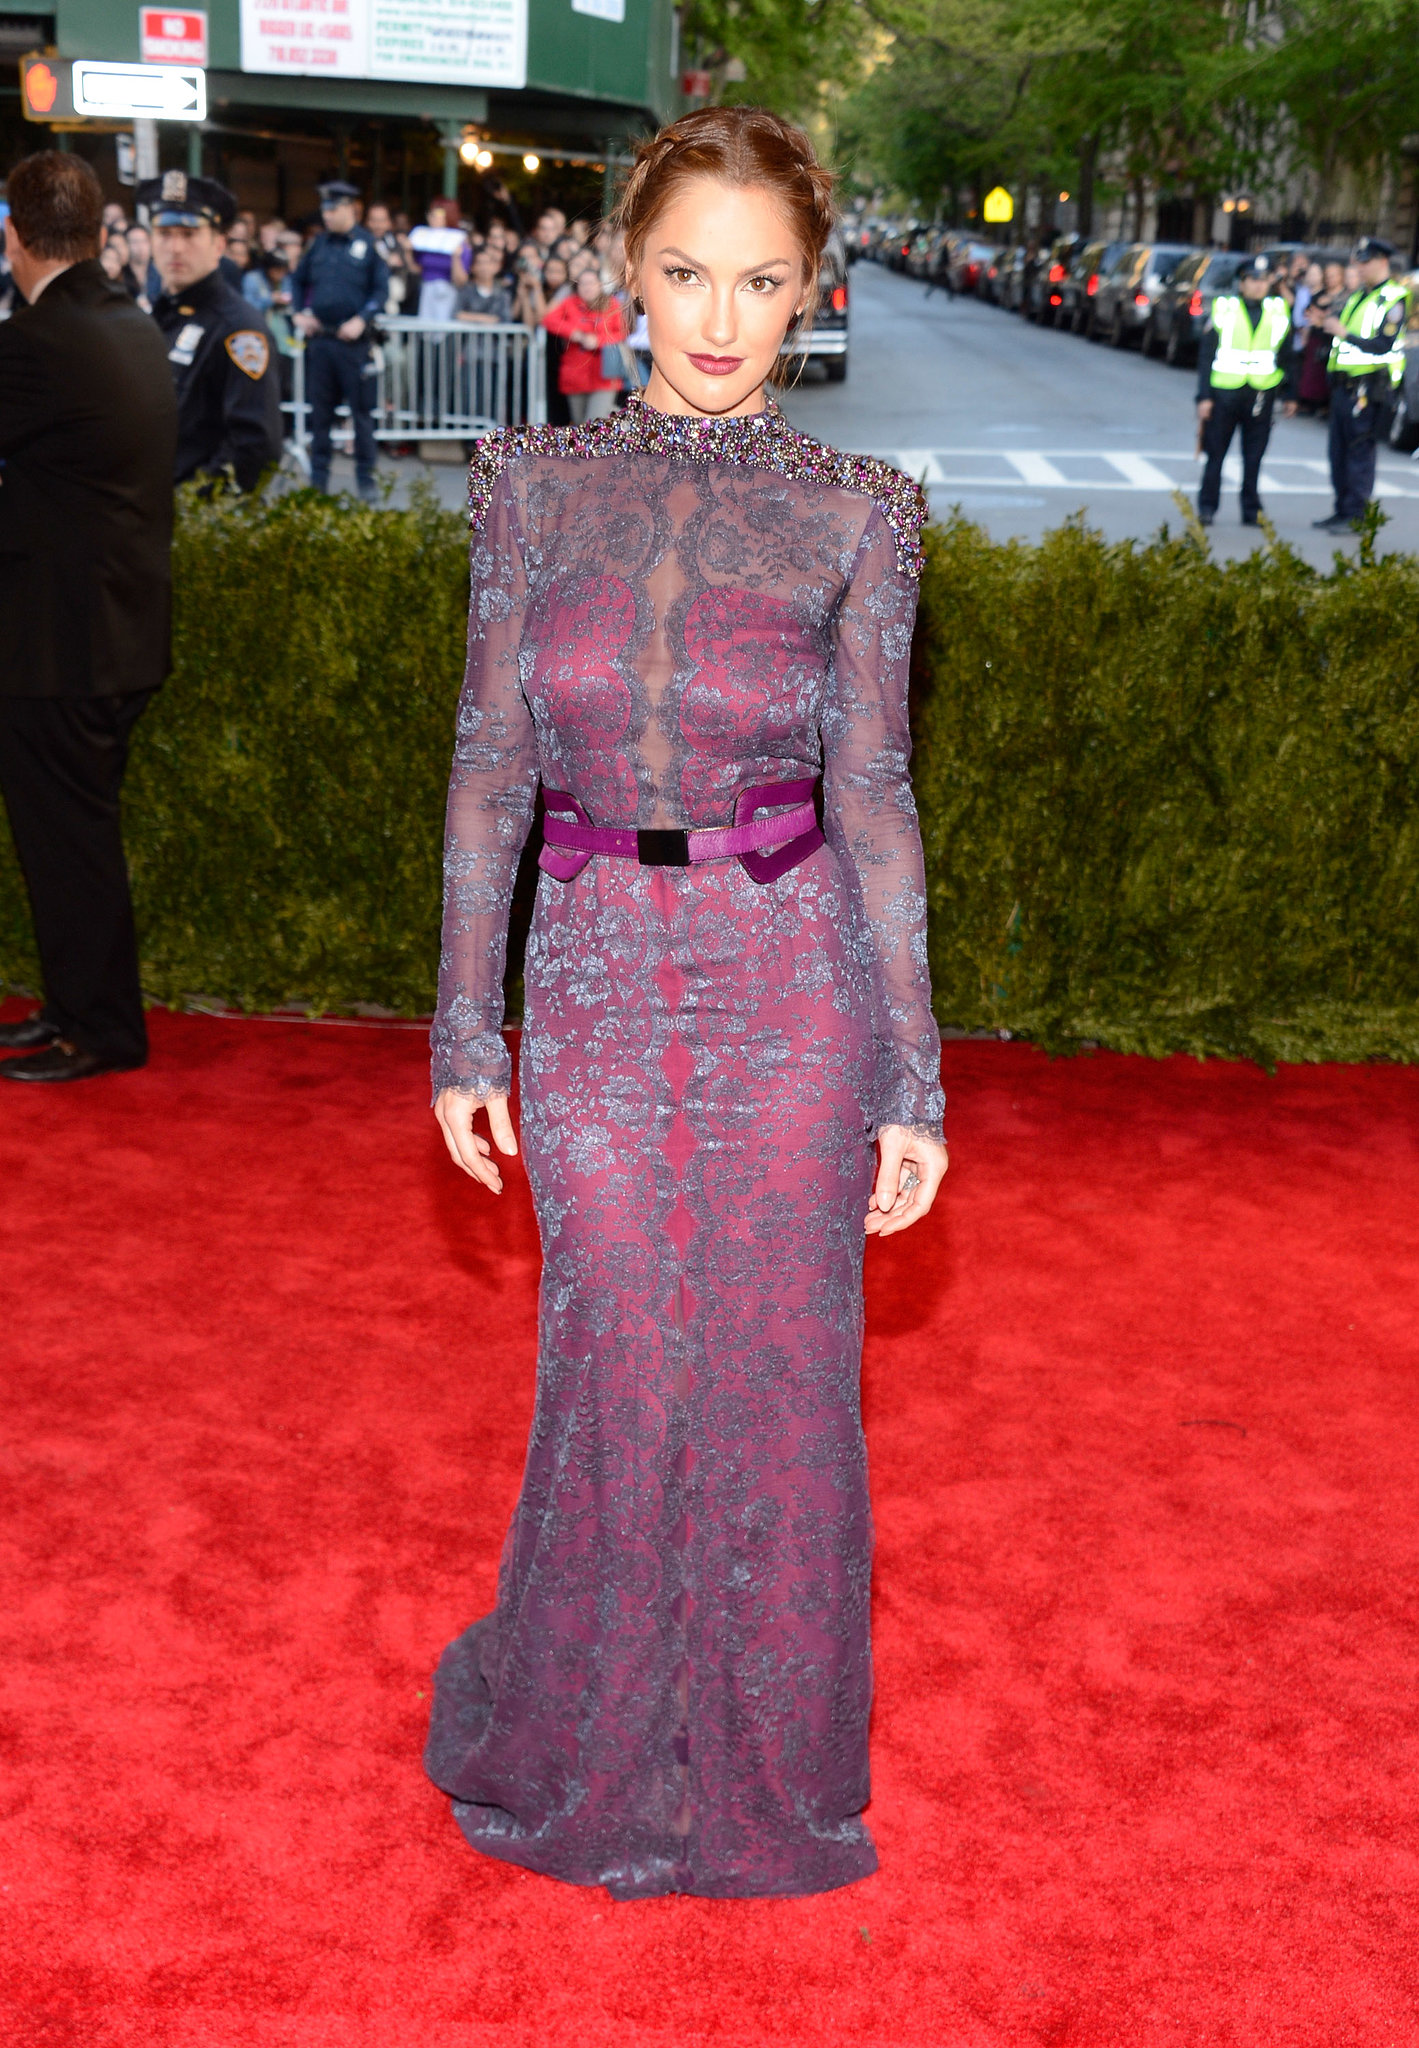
pixel 62 1063
pixel 1205 518
pixel 1250 519
pixel 28 1033
pixel 1334 524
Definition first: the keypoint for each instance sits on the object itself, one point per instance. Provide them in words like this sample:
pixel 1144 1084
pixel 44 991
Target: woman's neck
pixel 662 395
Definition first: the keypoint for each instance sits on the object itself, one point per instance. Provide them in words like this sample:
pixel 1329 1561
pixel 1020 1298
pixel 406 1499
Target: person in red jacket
pixel 588 320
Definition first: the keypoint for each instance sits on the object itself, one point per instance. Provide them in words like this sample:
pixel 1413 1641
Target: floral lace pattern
pixel 672 1692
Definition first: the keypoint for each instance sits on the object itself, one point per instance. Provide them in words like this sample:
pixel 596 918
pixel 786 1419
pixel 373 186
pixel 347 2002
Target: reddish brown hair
pixel 56 203
pixel 739 146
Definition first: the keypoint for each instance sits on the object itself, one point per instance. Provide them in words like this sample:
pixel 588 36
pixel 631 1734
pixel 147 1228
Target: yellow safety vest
pixel 1363 316
pixel 1247 355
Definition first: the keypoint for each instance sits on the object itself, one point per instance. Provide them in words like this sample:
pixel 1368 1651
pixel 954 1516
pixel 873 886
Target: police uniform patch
pixel 174 188
pixel 250 351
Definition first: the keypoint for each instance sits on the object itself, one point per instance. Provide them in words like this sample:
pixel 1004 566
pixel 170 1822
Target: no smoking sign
pixel 173 35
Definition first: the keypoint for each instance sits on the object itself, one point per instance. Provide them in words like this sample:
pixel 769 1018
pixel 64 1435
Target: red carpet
pixel 1142 1406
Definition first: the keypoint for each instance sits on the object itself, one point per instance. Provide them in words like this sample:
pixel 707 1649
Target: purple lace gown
pixel 672 1693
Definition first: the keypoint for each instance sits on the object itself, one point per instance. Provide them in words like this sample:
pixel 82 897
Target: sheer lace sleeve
pixel 870 821
pixel 490 801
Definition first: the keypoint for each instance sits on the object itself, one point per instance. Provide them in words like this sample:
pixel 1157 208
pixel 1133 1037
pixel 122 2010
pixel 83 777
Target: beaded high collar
pixel 758 440
pixel 727 436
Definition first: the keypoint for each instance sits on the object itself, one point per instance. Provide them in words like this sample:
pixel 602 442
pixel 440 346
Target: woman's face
pixel 111 257
pixel 554 274
pixel 588 284
pixel 721 276
pixel 1334 276
pixel 1315 277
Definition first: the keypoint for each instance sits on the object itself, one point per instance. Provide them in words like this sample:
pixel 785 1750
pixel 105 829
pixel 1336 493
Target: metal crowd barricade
pixel 436 380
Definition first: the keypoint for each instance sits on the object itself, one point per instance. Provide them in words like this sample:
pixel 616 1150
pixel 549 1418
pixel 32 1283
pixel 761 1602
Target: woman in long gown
pixel 681 616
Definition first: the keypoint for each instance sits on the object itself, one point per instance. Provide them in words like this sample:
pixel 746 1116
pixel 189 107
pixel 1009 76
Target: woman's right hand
pixel 468 1148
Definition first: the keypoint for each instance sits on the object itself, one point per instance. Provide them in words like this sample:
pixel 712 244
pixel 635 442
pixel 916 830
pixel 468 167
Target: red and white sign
pixel 173 35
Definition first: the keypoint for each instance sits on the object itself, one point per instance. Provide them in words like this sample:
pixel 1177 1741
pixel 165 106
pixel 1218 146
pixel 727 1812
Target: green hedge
pixel 1167 803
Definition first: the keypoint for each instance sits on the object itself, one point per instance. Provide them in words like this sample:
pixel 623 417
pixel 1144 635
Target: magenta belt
pixel 764 847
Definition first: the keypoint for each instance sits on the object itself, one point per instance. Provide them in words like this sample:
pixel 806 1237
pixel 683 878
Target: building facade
pixel 395 94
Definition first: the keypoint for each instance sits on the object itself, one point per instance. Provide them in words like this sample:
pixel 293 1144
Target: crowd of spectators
pixel 564 275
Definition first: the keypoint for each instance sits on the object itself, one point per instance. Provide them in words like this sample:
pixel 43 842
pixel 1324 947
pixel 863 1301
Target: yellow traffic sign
pixel 998 206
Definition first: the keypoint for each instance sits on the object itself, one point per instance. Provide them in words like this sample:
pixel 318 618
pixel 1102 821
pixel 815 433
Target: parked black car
pixel 1183 307
pixel 1044 296
pixel 1123 303
pixel 897 247
pixel 1076 309
pixel 1404 421
pixel 826 340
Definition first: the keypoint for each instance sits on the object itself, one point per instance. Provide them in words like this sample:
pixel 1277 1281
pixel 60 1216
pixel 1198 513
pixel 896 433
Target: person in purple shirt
pixel 442 251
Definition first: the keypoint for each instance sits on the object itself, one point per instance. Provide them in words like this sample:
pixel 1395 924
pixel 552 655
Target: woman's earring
pixel 639 305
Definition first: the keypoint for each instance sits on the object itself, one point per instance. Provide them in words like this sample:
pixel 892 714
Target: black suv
pixel 1076 308
pixel 1044 296
pixel 1123 303
pixel 826 341
pixel 1183 307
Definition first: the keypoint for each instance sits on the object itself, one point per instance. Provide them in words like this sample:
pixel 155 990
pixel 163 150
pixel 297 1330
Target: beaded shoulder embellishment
pixel 761 440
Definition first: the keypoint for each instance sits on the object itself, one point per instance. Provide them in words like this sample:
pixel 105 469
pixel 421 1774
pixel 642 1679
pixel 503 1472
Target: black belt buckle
pixel 667 848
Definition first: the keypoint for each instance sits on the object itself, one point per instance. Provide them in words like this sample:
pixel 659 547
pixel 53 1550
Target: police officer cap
pixel 1256 266
pixel 1370 247
pixel 175 200
pixel 337 191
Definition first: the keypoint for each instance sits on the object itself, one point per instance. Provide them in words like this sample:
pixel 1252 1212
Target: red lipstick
pixel 717 366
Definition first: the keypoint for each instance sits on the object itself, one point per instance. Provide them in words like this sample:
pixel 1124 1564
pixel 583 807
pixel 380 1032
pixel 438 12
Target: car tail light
pixel 1194 304
pixel 1055 299
pixel 1056 273
pixel 839 300
pixel 992 271
pixel 1093 285
pixel 1140 298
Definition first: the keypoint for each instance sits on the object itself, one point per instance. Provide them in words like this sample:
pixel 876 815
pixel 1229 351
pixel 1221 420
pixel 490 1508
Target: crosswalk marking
pixel 1163 471
pixel 1035 469
pixel 1141 473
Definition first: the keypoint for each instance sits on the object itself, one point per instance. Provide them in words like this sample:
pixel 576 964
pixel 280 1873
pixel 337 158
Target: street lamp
pixel 532 162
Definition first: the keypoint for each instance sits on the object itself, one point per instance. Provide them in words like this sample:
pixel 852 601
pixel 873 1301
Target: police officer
pixel 219 349
pixel 340 286
pixel 1238 372
pixel 1366 367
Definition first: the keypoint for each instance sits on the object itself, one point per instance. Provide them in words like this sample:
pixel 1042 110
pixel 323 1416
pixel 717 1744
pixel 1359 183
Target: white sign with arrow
pixel 137 92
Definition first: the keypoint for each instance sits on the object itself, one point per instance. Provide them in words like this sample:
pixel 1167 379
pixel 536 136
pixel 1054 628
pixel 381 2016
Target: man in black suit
pixel 88 431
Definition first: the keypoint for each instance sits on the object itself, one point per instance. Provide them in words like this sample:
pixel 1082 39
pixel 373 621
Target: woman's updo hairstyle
pixel 739 146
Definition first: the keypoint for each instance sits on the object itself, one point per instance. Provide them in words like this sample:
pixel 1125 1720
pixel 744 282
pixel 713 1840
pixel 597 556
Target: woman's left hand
pixel 910 1168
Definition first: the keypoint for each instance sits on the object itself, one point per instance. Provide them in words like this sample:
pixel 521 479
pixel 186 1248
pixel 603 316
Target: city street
pixel 1021 426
